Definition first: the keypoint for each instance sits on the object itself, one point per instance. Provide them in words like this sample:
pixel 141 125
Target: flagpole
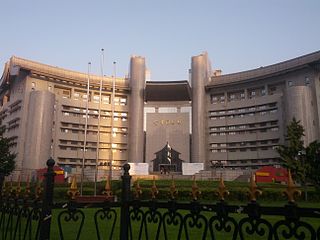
pixel 112 118
pixel 99 122
pixel 85 129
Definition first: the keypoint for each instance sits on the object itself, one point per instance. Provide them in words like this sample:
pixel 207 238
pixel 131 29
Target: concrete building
pixel 235 119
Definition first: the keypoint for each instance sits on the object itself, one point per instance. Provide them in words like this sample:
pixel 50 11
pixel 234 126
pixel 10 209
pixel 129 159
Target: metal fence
pixel 26 213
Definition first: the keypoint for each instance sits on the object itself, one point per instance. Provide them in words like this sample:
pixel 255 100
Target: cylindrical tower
pixel 301 104
pixel 199 76
pixel 136 107
pixel 39 129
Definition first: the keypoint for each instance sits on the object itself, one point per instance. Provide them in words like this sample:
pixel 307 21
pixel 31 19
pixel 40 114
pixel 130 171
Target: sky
pixel 237 34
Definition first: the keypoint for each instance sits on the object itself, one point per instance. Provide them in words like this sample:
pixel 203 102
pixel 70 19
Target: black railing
pixel 28 214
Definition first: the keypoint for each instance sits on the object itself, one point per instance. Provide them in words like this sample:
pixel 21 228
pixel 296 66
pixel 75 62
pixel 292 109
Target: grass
pixel 89 231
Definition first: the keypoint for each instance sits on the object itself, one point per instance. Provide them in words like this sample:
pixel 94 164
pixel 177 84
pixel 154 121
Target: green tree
pixel 7 159
pixel 313 157
pixel 293 153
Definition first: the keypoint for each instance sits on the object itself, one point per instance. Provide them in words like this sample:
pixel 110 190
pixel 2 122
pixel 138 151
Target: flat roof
pixel 15 64
pixel 267 71
pixel 167 91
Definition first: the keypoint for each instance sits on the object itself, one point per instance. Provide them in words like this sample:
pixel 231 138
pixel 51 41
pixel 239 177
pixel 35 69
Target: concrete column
pixel 199 77
pixel 300 104
pixel 136 106
pixel 39 129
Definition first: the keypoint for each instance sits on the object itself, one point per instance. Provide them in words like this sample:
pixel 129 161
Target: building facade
pixel 236 119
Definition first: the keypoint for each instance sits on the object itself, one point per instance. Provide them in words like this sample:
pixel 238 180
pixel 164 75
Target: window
pixel 96 99
pixel 273 111
pixel 290 83
pixel 272 90
pixel 307 81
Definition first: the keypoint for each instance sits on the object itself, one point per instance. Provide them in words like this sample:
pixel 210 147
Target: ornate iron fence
pixel 27 214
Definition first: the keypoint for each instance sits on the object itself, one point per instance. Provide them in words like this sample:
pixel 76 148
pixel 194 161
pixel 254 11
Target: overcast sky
pixel 238 35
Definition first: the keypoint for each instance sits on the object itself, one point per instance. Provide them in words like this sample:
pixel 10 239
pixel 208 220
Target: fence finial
pixel 73 190
pixel 154 189
pixel 107 189
pixel 27 189
pixel 222 191
pixel 137 189
pixel 38 190
pixel 291 190
pixel 195 189
pixel 173 189
pixel 254 191
pixel 18 188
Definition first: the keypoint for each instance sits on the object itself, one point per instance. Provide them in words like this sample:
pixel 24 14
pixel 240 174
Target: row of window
pixel 242 115
pixel 244 126
pixel 252 149
pixel 102 148
pixel 95 111
pixel 82 95
pixel 244 110
pixel 248 143
pixel 83 115
pixel 273 129
pixel 90 132
pixel 94 127
pixel 241 95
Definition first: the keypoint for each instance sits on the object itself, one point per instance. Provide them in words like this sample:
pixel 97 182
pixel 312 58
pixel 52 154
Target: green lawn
pixel 89 232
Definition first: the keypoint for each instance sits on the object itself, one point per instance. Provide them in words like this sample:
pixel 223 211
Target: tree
pixel 303 162
pixel 313 156
pixel 7 159
pixel 293 154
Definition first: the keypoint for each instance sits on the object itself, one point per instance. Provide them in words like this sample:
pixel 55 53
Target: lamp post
pixel 112 132
pixel 85 130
